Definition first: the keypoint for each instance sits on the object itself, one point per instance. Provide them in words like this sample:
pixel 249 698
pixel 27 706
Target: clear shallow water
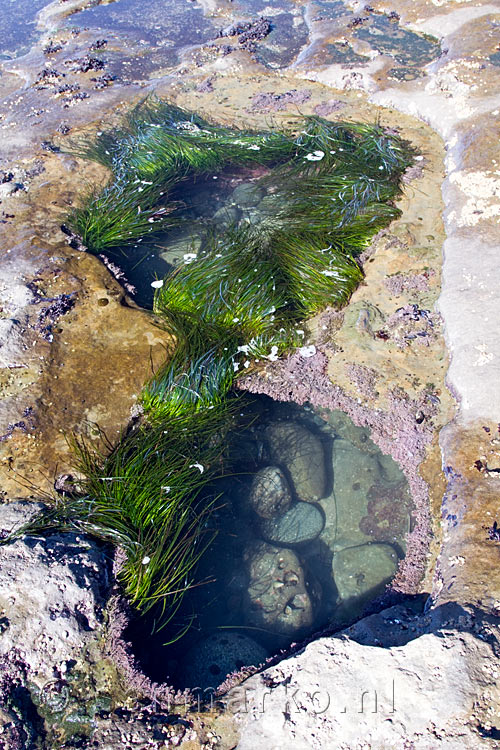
pixel 17 26
pixel 284 43
pixel 285 565
pixel 410 51
pixel 163 28
pixel 230 197
pixel 289 31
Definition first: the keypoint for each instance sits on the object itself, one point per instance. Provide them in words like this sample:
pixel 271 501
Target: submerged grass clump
pixel 239 301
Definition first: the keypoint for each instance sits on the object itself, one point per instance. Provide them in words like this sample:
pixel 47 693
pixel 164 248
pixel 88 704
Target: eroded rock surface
pixel 53 591
pixel 422 690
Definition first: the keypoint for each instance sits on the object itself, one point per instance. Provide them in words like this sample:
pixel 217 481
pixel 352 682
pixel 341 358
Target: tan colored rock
pixel 270 494
pixel 84 368
pixel 302 454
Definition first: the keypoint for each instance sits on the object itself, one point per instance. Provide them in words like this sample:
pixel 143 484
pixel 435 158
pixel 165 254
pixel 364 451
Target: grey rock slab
pixel 354 472
pixel 302 523
pixel 364 570
pixel 340 694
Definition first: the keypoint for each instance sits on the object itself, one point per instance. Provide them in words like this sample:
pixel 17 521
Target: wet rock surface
pixel 277 594
pixel 302 523
pixel 301 454
pixel 270 494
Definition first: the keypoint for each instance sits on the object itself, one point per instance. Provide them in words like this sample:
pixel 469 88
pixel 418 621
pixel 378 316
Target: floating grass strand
pixel 330 188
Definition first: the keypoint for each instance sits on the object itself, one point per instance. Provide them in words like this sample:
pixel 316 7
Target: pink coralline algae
pixel 388 517
pixel 364 378
pixel 412 282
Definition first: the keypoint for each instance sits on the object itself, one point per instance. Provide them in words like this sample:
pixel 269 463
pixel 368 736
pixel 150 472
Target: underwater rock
pixel 226 215
pixel 302 523
pixel 301 453
pixel 388 516
pixel 268 204
pixel 247 194
pixel 354 473
pixel 344 428
pixel 363 571
pixel 209 662
pixel 177 248
pixel 391 471
pixel 270 494
pixel 277 596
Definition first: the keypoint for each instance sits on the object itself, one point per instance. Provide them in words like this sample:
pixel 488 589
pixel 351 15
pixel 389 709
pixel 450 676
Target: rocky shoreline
pixel 69 328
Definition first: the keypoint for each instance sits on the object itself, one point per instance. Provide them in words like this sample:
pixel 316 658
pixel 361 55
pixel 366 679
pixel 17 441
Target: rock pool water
pixel 311 526
pixel 17 26
pixel 158 29
pixel 204 204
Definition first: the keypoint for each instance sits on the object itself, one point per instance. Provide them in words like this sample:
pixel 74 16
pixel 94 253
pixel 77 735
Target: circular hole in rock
pixel 311 525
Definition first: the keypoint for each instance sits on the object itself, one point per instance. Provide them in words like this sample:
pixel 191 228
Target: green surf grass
pixel 331 187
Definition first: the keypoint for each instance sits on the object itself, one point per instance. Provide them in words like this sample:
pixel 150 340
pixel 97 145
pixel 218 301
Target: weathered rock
pixel 302 523
pixel 270 494
pixel 362 572
pixel 277 596
pixel 52 594
pixel 209 662
pixel 302 454
pixel 342 694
